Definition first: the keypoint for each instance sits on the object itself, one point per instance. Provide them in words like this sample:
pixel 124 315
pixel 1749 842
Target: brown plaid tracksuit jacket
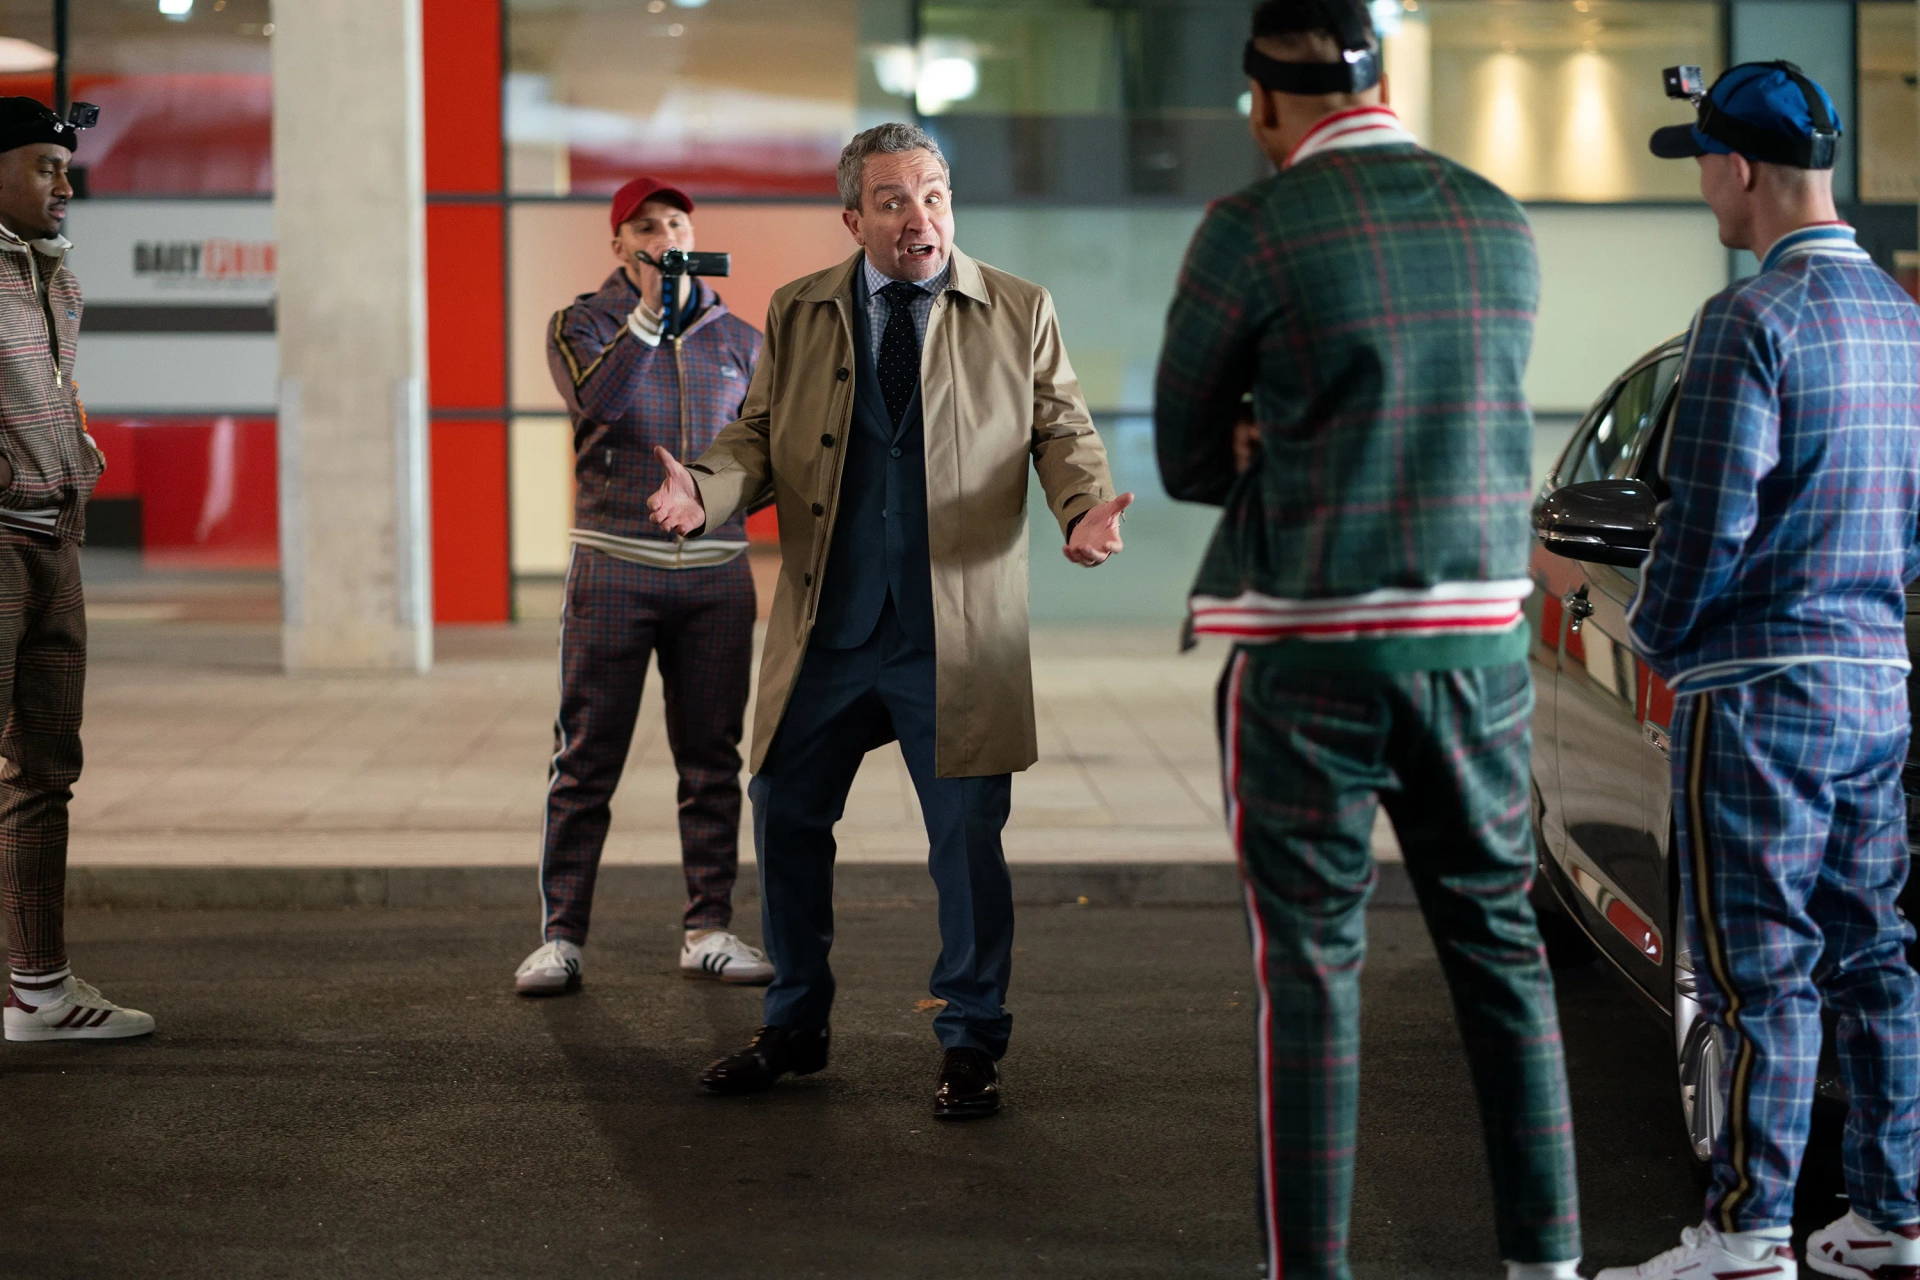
pixel 43 623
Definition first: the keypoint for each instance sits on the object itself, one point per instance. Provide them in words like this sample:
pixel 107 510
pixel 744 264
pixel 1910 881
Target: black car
pixel 1603 819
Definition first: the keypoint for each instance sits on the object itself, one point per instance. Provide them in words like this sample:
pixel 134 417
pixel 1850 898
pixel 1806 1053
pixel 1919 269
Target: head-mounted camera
pixel 1799 151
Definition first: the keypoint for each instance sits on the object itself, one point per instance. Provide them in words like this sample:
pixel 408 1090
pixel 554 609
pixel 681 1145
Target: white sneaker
pixel 1858 1250
pixel 721 955
pixel 79 1012
pixel 554 968
pixel 1703 1255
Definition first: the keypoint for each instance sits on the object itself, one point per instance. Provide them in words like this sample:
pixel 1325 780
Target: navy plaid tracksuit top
pixel 1794 466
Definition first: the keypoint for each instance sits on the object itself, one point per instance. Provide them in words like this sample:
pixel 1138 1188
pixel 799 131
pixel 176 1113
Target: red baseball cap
pixel 628 199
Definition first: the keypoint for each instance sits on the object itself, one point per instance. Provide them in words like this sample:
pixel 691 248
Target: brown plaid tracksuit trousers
pixel 43 677
pixel 698 625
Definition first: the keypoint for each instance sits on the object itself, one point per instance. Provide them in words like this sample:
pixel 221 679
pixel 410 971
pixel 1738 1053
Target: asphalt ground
pixel 358 1093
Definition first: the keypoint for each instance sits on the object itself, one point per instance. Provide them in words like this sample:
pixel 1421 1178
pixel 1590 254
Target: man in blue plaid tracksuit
pixel 1773 602
pixel 634 383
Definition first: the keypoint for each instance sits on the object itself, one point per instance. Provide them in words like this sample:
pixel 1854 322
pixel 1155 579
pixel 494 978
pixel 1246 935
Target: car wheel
pixel 1700 1048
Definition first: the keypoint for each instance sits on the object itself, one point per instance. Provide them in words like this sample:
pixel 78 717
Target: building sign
pixel 172 252
pixel 212 261
pixel 179 314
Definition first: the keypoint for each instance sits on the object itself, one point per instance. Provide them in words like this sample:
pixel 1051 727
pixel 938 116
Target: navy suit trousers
pixel 844 703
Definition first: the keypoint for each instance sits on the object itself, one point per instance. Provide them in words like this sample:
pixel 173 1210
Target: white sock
pixel 1544 1270
pixel 1757 1245
pixel 36 989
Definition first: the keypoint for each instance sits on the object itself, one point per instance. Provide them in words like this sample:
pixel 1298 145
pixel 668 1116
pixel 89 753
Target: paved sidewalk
pixel 199 753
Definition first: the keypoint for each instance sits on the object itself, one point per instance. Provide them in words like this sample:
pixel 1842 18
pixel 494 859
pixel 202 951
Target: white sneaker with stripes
pixel 76 1011
pixel 1855 1249
pixel 552 969
pixel 719 954
pixel 1706 1254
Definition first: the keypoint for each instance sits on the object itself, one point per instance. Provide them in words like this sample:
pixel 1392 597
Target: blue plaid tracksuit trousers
pixel 1792 835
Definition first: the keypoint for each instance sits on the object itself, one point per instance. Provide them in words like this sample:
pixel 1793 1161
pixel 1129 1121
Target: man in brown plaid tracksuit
pixel 48 466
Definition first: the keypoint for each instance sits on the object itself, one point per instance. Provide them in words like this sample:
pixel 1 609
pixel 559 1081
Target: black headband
pixel 24 122
pixel 1358 71
pixel 1756 143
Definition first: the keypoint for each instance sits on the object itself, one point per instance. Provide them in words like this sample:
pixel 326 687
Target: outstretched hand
pixel 675 506
pixel 1097 536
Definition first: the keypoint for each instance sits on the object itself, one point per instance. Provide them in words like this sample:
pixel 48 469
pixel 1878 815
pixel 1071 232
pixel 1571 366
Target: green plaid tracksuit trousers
pixel 1308 757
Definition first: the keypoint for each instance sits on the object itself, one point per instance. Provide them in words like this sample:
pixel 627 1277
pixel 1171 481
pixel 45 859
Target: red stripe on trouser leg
pixel 1230 741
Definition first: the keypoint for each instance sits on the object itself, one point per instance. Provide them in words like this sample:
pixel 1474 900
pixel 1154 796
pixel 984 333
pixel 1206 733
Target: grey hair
pixel 893 138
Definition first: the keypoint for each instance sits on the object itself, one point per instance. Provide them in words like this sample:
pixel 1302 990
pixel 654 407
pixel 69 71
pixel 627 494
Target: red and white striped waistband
pixel 1449 609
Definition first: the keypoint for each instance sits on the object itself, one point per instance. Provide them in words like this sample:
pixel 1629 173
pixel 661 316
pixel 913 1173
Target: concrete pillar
pixel 349 212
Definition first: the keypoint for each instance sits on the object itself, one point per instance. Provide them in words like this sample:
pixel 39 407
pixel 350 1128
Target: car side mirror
pixel 1598 521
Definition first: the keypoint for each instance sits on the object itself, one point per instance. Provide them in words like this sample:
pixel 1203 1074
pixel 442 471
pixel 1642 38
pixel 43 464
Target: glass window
pixel 186 103
pixel 1606 451
pixel 1089 99
pixel 1889 107
pixel 1552 100
pixel 737 98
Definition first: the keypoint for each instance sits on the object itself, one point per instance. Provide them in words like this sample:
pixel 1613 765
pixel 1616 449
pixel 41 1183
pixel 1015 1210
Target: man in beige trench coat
pixel 895 408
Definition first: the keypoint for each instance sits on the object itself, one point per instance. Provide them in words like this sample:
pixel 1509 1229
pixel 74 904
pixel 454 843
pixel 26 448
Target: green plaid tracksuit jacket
pixel 1378 301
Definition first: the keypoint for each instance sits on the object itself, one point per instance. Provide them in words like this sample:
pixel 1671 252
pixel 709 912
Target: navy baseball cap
pixel 1766 111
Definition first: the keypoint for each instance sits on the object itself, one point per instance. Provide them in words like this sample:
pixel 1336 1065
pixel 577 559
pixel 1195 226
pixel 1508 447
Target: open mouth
pixel 919 252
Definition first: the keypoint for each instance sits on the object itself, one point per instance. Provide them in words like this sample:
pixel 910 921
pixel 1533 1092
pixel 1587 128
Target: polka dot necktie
pixel 899 349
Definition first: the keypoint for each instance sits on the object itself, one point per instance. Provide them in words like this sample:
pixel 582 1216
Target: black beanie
pixel 25 121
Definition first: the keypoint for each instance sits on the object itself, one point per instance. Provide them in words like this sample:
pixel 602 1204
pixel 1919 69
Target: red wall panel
pixel 460 73
pixel 209 488
pixel 472 579
pixel 121 479
pixel 466 306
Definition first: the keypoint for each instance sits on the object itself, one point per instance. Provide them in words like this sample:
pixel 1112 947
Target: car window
pixel 1606 448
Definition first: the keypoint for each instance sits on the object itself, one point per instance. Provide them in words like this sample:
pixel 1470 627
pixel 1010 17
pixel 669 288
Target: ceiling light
pixel 178 10
pixel 895 67
pixel 944 81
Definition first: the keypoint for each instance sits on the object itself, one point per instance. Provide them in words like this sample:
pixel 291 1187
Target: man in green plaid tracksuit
pixel 1371 562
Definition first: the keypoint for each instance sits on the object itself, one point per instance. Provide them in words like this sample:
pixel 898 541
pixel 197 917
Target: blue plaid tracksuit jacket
pixel 1773 602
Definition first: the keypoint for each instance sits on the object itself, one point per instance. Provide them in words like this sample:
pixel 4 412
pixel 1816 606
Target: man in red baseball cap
pixel 650 233
pixel 632 383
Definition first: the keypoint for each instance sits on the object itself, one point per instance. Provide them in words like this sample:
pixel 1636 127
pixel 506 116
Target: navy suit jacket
pixel 880 532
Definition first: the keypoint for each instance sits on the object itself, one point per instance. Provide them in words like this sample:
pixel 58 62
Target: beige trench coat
pixel 996 390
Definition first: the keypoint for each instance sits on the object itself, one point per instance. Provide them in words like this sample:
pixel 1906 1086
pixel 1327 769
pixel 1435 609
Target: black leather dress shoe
pixel 772 1053
pixel 969 1086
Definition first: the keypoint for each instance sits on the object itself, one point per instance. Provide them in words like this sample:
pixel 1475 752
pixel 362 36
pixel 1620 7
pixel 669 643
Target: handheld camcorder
pixel 675 266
